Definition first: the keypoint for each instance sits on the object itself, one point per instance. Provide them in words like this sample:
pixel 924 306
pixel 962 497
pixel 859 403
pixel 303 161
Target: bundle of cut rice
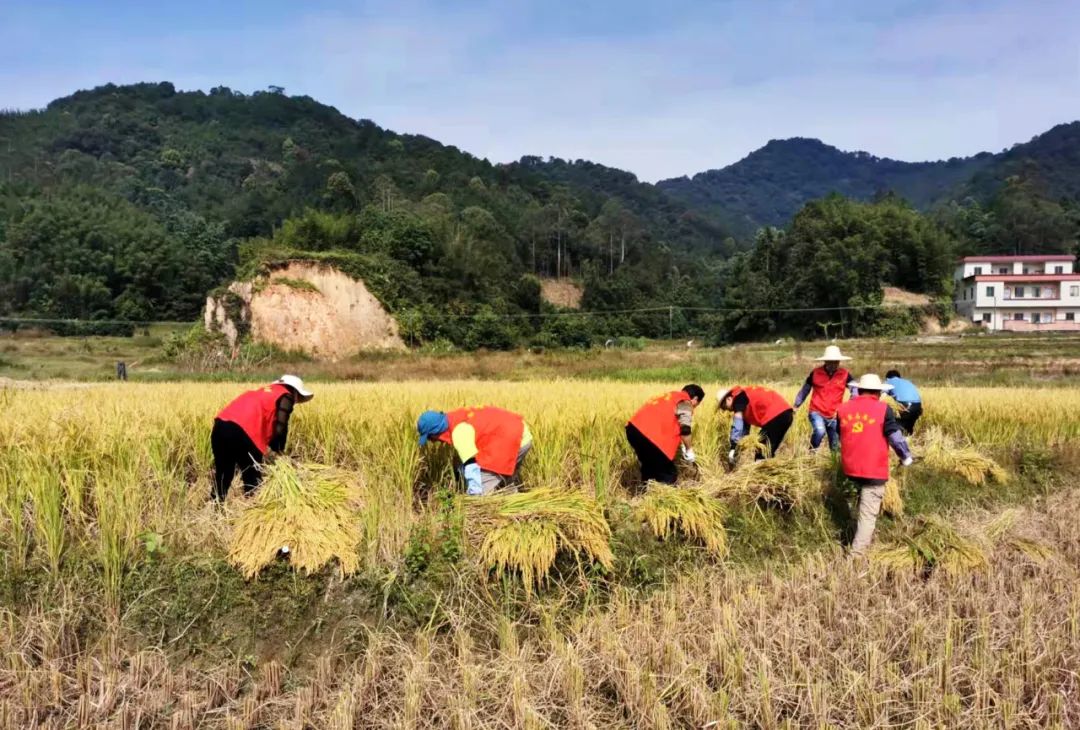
pixel 312 510
pixel 932 545
pixel 787 482
pixel 522 533
pixel 946 453
pixel 688 511
pixel 893 503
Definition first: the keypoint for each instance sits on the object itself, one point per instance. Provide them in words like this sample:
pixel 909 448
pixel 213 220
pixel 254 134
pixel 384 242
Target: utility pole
pixel 670 317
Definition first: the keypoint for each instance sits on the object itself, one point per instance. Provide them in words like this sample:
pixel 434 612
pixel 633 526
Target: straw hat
pixel 294 382
pixel 870 381
pixel 832 354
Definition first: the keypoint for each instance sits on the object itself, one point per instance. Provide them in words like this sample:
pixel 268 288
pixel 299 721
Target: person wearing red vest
pixel 868 427
pixel 251 425
pixel 490 444
pixel 756 406
pixel 826 386
pixel 662 427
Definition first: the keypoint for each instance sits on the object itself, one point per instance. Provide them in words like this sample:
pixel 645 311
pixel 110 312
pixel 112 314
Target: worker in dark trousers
pixel 660 429
pixel 253 424
pixel 761 407
pixel 907 396
pixel 868 428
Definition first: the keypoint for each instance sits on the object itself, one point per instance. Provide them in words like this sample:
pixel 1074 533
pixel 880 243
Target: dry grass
pixel 819 646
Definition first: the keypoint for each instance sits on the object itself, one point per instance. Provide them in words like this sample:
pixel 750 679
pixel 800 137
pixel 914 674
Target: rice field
pixel 129 600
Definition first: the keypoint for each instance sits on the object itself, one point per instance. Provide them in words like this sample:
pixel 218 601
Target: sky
pixel 658 88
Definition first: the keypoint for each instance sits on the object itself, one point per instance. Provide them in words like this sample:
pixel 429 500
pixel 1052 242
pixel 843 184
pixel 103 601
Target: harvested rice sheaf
pixel 946 453
pixel 788 482
pixel 312 509
pixel 933 545
pixel 523 533
pixel 687 511
pixel 893 503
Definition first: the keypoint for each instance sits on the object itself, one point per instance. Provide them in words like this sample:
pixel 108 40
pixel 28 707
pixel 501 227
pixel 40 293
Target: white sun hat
pixel 723 394
pixel 832 354
pixel 870 381
pixel 294 382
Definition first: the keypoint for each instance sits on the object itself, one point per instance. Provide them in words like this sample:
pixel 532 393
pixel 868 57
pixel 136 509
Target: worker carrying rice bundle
pixel 826 385
pixel 907 397
pixel 249 427
pixel 756 406
pixel 490 444
pixel 868 427
pixel 661 429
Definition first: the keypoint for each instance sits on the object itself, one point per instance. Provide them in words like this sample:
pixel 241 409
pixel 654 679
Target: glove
pixel 731 456
pixel 688 455
pixel 474 487
pixel 907 462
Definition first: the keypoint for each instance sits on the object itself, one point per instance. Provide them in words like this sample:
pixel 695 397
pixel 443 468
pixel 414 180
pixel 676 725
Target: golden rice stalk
pixel 946 453
pixel 785 482
pixel 313 509
pixel 934 545
pixel 893 502
pixel 1002 529
pixel 689 511
pixel 523 533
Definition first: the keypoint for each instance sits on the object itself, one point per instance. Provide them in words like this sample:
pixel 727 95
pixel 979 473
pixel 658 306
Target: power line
pixel 669 309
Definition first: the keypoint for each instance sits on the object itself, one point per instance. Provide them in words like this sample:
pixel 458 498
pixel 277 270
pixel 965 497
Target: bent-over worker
pixel 756 406
pixel 490 444
pixel 868 427
pixel 907 397
pixel 250 426
pixel 660 429
pixel 826 385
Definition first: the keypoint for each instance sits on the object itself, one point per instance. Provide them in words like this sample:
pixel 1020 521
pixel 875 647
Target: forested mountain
pixel 767 187
pixel 133 201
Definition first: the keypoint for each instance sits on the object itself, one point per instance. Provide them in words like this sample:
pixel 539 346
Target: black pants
pixel 908 416
pixel 654 463
pixel 772 433
pixel 233 450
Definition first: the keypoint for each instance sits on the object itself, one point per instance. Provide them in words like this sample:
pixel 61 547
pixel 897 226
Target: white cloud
pixel 661 94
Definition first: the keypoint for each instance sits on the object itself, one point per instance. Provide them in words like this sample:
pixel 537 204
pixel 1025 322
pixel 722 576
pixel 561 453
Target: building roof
pixel 1007 259
pixel 1019 278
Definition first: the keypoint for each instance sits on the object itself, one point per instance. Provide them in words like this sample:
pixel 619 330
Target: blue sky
pixel 661 89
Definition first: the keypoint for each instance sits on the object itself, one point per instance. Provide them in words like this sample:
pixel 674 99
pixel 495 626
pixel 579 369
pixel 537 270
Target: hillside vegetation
pixel 133 202
pixel 1031 185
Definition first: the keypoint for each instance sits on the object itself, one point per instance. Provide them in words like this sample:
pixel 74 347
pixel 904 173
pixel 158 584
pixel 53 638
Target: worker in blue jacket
pixel 907 397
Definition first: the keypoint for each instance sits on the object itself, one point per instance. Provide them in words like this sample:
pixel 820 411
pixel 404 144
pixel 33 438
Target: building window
pixel 1019 292
pixel 989 291
pixel 986 317
pixel 1003 270
pixel 1059 269
pixel 1074 291
pixel 978 271
pixel 1070 316
pixel 1018 316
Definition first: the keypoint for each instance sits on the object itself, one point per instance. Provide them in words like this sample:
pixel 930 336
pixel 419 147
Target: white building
pixel 1018 293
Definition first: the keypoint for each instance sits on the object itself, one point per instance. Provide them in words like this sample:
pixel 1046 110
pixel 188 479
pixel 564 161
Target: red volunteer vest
pixel 828 393
pixel 765 404
pixel 498 436
pixel 254 411
pixel 656 420
pixel 864 452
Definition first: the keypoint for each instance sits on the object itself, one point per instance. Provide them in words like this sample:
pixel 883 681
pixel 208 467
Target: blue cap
pixel 431 423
